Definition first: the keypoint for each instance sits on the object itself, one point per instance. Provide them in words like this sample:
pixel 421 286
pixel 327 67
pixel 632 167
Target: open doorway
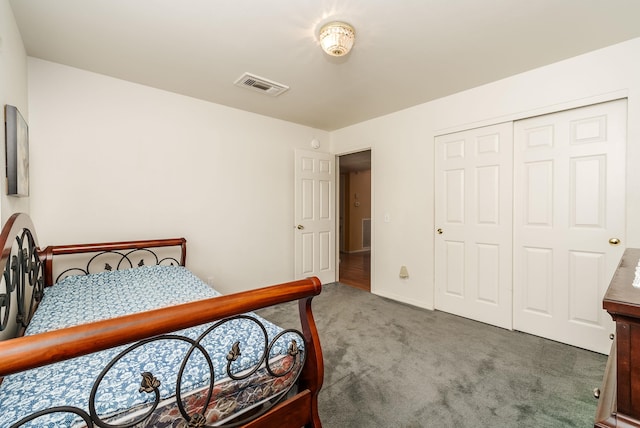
pixel 355 220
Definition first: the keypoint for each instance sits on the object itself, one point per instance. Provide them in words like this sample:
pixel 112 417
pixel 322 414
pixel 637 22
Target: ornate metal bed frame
pixel 27 271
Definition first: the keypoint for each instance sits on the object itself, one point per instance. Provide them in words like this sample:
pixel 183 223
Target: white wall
pixel 13 91
pixel 403 154
pixel 113 160
pixel 155 164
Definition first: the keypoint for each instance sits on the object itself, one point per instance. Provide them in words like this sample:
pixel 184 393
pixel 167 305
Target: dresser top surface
pixel 621 297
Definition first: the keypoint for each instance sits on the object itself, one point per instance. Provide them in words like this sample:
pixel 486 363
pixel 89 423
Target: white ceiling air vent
pixel 260 84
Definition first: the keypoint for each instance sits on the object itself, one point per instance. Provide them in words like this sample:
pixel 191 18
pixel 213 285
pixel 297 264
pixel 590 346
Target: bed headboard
pixel 27 269
pixel 83 259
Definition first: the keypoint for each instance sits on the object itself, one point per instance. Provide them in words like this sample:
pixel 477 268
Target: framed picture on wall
pixel 17 152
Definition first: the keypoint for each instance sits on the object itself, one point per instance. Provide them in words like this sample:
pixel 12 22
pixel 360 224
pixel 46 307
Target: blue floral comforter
pixel 83 299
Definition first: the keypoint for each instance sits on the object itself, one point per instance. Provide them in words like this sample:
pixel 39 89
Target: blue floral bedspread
pixel 82 299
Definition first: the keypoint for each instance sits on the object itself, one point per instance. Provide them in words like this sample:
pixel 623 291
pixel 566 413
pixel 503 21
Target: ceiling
pixel 407 52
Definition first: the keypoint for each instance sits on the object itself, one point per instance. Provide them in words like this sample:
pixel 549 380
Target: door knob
pixel 439 231
pixel 300 227
pixel 614 241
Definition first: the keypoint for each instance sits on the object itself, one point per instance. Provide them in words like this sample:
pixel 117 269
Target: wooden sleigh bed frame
pixel 29 270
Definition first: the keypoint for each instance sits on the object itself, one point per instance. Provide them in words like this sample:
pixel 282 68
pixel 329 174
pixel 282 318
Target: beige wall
pixel 151 159
pixel 115 160
pixel 403 154
pixel 13 91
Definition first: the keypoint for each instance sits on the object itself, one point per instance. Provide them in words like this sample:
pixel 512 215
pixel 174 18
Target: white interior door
pixel 473 214
pixel 315 225
pixel 569 202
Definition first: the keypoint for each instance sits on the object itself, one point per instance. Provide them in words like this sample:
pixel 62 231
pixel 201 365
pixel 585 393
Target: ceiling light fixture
pixel 337 38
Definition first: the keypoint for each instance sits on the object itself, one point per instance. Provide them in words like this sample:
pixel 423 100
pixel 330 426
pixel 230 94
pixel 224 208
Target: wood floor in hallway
pixel 355 269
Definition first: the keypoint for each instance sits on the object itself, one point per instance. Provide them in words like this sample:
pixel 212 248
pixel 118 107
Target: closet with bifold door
pixel 530 222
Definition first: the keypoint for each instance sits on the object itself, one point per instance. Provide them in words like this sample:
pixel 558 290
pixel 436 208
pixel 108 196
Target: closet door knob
pixel 300 227
pixel 614 241
pixel 439 231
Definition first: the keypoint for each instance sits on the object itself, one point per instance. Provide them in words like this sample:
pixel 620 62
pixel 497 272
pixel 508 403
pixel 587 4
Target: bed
pixel 122 334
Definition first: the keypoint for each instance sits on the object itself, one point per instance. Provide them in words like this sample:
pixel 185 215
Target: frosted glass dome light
pixel 336 38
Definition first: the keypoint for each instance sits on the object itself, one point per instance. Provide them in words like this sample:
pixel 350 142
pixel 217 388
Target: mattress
pixel 119 396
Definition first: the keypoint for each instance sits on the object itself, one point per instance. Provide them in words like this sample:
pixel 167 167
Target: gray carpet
pixel 392 365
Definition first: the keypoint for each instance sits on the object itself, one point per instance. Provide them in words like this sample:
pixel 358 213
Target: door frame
pixel 338 207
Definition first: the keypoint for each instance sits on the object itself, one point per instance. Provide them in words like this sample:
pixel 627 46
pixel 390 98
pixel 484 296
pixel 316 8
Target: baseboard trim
pixel 364 250
pixel 402 299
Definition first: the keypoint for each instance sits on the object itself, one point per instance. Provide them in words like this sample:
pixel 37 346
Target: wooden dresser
pixel 619 395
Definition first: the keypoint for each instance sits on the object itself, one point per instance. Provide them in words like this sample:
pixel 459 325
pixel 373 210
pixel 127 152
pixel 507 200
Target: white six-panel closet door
pixel 569 210
pixel 473 214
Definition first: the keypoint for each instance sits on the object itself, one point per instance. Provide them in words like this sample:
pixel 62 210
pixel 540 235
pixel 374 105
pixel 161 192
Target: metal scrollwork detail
pixel 15 271
pixel 23 275
pixel 118 260
pixel 197 421
pixel 26 260
pixel 289 372
pixel 149 383
pixel 293 348
pixel 234 353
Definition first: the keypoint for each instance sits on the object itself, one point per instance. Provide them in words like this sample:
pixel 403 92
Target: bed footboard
pixel 301 409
